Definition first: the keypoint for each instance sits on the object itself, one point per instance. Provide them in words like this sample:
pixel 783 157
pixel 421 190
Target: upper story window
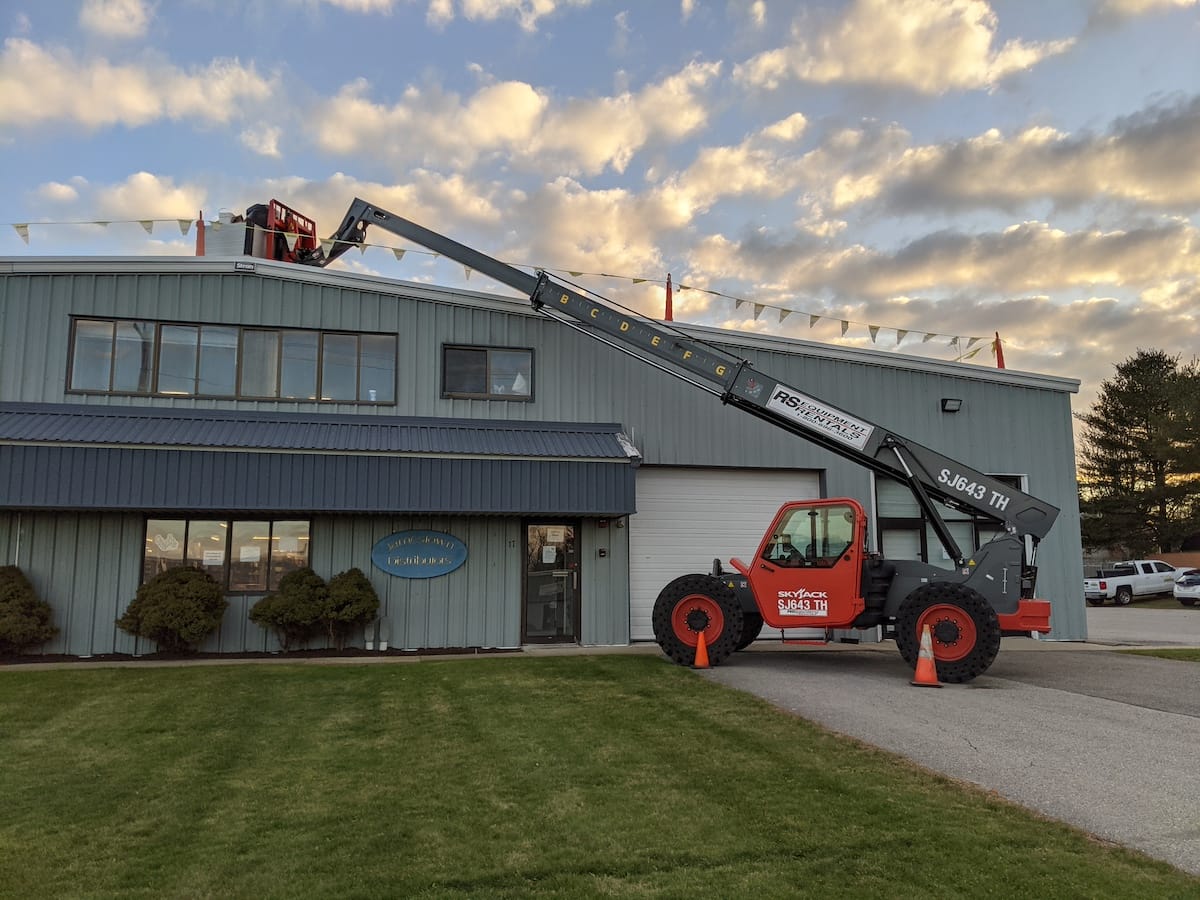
pixel 487 373
pixel 116 356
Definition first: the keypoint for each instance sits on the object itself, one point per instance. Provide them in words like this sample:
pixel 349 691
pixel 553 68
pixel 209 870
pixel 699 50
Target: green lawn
pixel 1188 654
pixel 619 776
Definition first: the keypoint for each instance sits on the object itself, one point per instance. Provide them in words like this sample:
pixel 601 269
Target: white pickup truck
pixel 1123 581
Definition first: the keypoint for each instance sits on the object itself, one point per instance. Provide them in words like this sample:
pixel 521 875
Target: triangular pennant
pixel 399 254
pixel 362 248
pixel 290 238
pixel 105 224
pixel 971 355
pixel 737 304
pixel 638 280
pixel 972 342
pixel 758 308
pixel 148 224
pixel 467 272
pixel 874 329
pixel 23 231
pixel 574 274
pixel 900 336
pixel 185 225
pixel 784 313
pixel 683 287
pixel 845 326
pixel 326 246
pixel 813 320
pixel 928 338
pixel 953 343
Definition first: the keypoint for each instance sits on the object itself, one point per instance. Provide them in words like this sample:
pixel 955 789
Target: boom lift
pixel 812 568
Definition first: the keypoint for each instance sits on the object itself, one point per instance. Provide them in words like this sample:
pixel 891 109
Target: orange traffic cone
pixel 926 674
pixel 702 652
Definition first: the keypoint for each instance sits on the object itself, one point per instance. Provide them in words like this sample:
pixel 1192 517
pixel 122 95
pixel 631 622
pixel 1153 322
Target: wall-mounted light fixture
pixel 951 404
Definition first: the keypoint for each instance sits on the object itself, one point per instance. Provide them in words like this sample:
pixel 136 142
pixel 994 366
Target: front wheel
pixel 1188 601
pixel 963 626
pixel 695 604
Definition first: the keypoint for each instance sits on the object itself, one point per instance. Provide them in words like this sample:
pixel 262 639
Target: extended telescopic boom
pixel 928 474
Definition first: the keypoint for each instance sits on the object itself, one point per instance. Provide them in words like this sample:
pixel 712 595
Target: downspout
pixel 17 554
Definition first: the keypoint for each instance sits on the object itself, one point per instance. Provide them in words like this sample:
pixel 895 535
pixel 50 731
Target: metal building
pixel 250 417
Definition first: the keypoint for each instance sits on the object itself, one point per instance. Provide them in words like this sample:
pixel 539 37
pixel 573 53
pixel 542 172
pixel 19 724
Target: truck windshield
pixel 811 536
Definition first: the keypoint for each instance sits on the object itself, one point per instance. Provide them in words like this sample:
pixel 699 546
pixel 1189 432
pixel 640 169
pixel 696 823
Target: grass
pixel 612 776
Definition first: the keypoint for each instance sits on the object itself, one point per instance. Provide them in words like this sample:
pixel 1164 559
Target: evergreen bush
pixel 177 609
pixel 24 618
pixel 294 611
pixel 352 603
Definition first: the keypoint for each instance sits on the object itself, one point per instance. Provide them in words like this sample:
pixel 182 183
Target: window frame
pixel 270 582
pixel 239 366
pixel 488 349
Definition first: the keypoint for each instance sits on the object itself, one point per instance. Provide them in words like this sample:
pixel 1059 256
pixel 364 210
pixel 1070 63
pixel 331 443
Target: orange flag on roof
pixel 998 350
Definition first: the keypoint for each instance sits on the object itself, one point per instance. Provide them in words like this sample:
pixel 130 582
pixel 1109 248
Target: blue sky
pixel 906 167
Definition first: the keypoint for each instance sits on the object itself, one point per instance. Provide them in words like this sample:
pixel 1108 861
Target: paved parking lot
pixel 1103 740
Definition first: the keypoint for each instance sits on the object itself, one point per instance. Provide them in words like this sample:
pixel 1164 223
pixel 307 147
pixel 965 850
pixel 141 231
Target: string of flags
pixel 965 347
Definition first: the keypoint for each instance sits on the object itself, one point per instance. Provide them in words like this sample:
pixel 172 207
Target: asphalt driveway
pixel 1082 733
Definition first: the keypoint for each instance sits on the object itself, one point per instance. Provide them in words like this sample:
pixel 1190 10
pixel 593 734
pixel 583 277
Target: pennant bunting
pixel 638 280
pixel 574 274
pixel 783 314
pixel 185 225
pixel 928 338
pixel 467 272
pixel 362 248
pixel 953 343
pixel 290 238
pixel 900 336
pixel 326 246
pixel 148 224
pixel 972 342
pixel 845 327
pixel 973 353
pixel 758 308
pixel 874 329
pixel 106 224
pixel 737 304
pixel 813 320
pixel 398 253
pixel 23 231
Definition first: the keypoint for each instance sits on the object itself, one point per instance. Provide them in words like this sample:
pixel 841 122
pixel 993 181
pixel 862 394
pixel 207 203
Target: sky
pixel 912 176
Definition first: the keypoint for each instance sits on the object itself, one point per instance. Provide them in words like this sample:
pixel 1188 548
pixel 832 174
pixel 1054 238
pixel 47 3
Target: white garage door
pixel 688 517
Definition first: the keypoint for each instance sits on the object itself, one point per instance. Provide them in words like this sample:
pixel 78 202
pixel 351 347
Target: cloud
pixel 430 126
pixel 263 140
pixel 927 46
pixel 116 18
pixel 527 13
pixel 1111 11
pixel 40 86
pixel 1148 160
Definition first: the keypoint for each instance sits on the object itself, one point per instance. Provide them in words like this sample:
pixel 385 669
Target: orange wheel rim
pixel 952 629
pixel 694 614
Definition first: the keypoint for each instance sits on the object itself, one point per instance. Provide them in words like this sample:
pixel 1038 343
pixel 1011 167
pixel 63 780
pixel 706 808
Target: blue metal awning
pixel 60 456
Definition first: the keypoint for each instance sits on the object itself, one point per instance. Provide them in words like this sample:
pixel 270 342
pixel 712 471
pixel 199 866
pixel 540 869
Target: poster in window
pixel 250 553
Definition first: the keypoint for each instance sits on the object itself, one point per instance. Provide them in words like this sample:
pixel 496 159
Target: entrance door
pixel 551 583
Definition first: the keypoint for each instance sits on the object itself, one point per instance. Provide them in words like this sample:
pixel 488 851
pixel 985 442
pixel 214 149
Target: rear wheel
pixel 752 625
pixel 1095 601
pixel 1188 601
pixel 963 626
pixel 1124 596
pixel 695 604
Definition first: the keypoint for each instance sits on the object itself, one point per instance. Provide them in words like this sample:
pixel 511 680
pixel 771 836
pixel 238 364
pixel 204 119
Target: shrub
pixel 294 611
pixel 24 619
pixel 177 609
pixel 352 603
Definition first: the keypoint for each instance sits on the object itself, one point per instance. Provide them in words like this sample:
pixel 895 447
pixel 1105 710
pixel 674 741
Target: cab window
pixel 811 536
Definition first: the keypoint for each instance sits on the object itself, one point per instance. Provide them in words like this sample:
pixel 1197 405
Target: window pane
pixel 177 359
pixel 299 377
pixel 260 363
pixel 249 553
pixel 465 371
pixel 339 367
pixel 218 361
pixel 377 378
pixel 164 546
pixel 133 368
pixel 206 542
pixel 511 372
pixel 289 549
pixel 91 357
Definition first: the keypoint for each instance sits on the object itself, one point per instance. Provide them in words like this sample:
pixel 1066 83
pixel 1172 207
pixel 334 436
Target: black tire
pixel 694 603
pixel 963 625
pixel 752 625
pixel 1188 601
pixel 1099 601
pixel 1124 596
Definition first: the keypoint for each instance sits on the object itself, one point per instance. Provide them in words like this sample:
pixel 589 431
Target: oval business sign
pixel 419 554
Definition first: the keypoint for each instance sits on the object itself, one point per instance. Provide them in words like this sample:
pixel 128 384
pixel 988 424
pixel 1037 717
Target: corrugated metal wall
pixel 1009 423
pixel 87 567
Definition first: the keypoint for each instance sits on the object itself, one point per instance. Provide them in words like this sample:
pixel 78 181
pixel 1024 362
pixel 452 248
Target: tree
pixel 294 611
pixel 25 619
pixel 1139 457
pixel 352 603
pixel 177 609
